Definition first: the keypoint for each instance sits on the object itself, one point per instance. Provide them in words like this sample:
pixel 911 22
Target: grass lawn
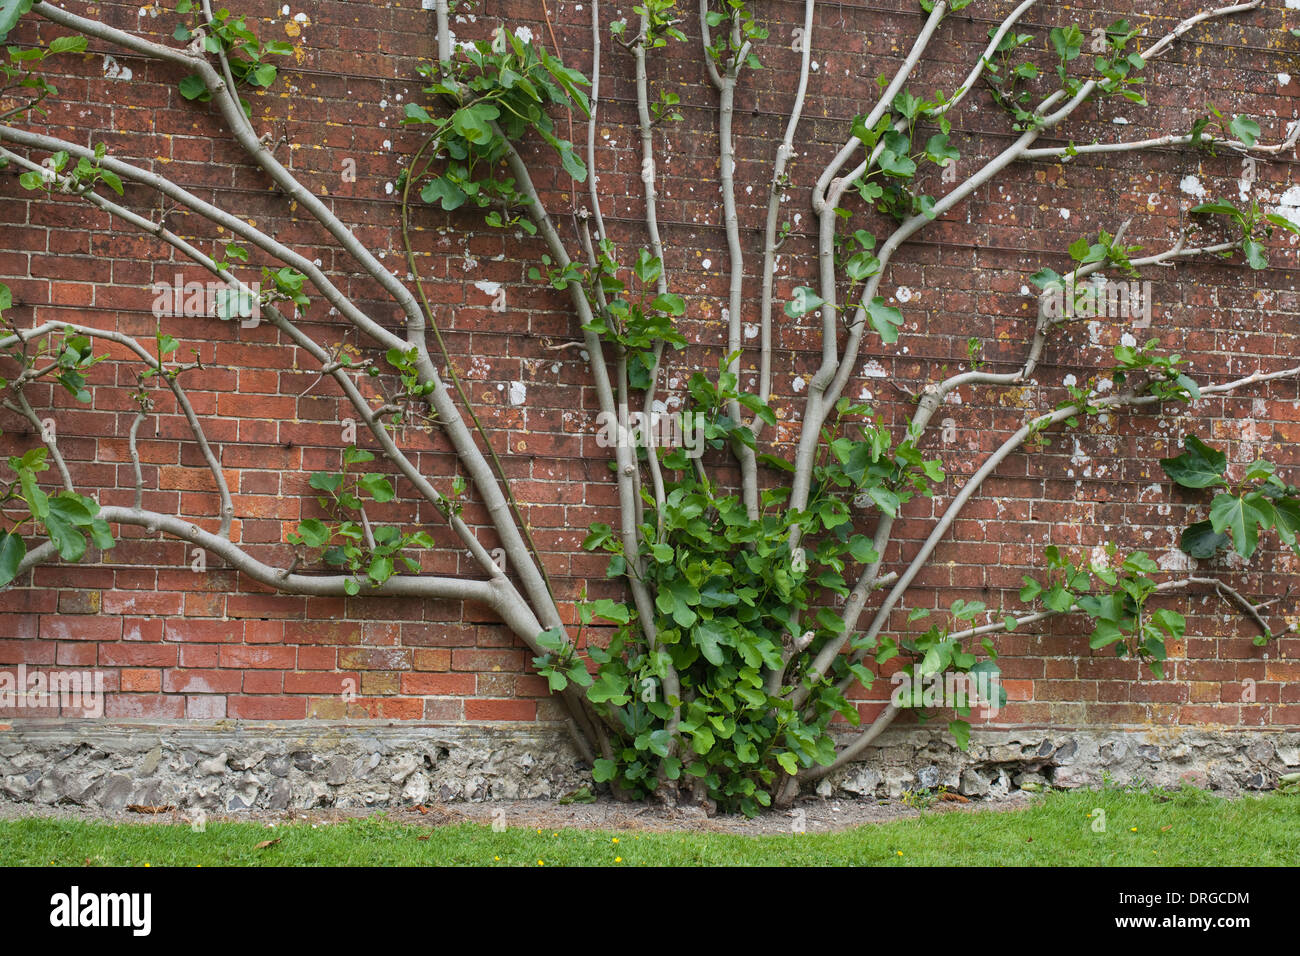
pixel 1183 828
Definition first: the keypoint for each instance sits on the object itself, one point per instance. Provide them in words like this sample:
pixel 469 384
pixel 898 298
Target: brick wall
pixel 176 643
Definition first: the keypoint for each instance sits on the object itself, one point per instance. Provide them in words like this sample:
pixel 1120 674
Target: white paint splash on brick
pixel 1192 187
pixel 116 71
pixel 1289 205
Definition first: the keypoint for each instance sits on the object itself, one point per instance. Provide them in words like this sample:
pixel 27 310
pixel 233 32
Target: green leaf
pixel 73 509
pixel 193 87
pixel 263 75
pixel 885 500
pixel 892 164
pixel 938 150
pixel 805 300
pixel 1254 251
pixel 66 537
pixel 313 532
pixel 112 181
pixel 1245 129
pixel 609 688
pixel 671 303
pixel 1107 633
pixel 381 569
pixel 861 266
pixel 379 487
pixel 10 11
pixel 12 551
pixel 602 771
pixel 1283 223
pixel 325 481
pixel 1139 562
pixel 1173 623
pixel 572 164
pixel 1219 208
pixel 885 319
pixel 1201 541
pixel 1200 466
pixel 709 637
pixel 611 611
pixel 72 44
pixel 472 122
pixel 415 113
pixel 1047 279
pixel 1242 516
pixel 936 659
pixel 1067 41
pixel 861 549
pixel 1288 521
pixel 966 610
pixel 443 191
pixel 101 535
pixel 960 730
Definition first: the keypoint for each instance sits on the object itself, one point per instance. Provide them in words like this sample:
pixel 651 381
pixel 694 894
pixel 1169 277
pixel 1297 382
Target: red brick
pixel 199 631
pixel 438 684
pixel 241 656
pixel 81 628
pixel 500 709
pixel 138 655
pixel 138 681
pixel 199 681
pixel 266 708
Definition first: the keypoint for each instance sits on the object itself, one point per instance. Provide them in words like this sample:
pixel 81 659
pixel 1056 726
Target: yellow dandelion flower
pixel 540 863
pixel 618 859
pixel 615 840
pixel 899 852
pixel 497 858
pixel 1132 829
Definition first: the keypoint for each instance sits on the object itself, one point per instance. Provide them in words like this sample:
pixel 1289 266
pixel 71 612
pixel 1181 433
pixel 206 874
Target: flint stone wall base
pixel 229 766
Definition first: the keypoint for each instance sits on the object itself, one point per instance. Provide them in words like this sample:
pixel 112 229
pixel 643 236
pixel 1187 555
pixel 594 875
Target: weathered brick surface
pixel 212 645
